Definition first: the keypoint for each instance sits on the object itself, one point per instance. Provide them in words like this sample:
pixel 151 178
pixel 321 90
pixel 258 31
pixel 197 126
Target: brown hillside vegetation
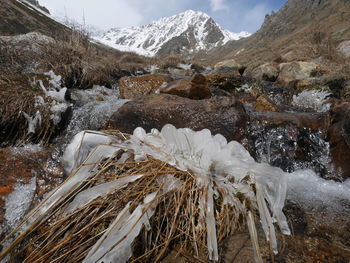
pixel 301 30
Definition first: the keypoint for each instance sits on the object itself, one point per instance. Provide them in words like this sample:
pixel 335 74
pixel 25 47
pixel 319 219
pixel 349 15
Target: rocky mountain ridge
pixel 185 33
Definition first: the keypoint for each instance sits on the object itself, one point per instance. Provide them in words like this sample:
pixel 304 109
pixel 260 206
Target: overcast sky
pixel 234 15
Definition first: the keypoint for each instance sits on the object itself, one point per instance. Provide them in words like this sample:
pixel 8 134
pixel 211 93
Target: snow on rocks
pixel 149 39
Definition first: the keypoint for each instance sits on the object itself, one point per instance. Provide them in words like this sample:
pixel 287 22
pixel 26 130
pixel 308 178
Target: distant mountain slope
pixel 301 29
pixel 184 33
pixel 20 17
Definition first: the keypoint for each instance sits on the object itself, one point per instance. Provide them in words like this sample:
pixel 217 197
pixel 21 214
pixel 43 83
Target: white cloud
pixel 217 5
pixel 104 13
pixel 255 16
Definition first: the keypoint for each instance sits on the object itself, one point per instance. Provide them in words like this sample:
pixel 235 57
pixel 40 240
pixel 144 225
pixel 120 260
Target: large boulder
pixel 229 66
pixel 267 71
pixel 133 87
pixel 298 70
pixel 339 138
pixel 193 88
pixel 219 114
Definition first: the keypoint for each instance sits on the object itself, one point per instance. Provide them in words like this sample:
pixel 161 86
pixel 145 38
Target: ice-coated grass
pixel 155 189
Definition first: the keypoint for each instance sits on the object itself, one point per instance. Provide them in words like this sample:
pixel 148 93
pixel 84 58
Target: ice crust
pixel 312 99
pixel 18 202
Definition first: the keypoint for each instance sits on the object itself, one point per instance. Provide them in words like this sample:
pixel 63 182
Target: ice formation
pixel 312 99
pixel 80 147
pixel 33 122
pixel 57 95
pixel 212 160
pixel 18 202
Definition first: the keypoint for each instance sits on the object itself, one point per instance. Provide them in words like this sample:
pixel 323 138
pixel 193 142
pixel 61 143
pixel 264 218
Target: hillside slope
pixel 20 17
pixel 301 29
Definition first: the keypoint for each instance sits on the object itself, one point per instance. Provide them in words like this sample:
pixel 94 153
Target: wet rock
pixel 21 165
pixel 267 71
pixel 299 70
pixel 312 121
pixel 222 115
pixel 230 67
pixel 337 84
pixel 195 88
pixel 133 87
pixel 227 82
pixel 264 103
pixel 339 138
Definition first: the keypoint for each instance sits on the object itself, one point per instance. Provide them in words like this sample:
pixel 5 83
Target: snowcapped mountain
pixel 187 32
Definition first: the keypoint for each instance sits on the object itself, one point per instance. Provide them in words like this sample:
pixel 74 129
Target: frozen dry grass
pixel 121 204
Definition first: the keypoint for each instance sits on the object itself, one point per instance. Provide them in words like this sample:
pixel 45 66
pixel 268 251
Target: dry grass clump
pixel 82 67
pixel 177 222
pixel 17 97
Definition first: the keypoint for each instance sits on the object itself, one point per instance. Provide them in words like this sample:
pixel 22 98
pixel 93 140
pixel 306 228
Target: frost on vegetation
pixel 312 100
pixel 33 121
pixel 215 163
pixel 18 202
pixel 56 93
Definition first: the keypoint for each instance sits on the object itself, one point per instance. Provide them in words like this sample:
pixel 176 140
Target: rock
pixel 229 66
pixel 227 82
pixel 263 103
pixel 268 72
pixel 339 138
pixel 133 87
pixel 218 114
pixel 344 47
pixel 299 70
pixel 312 121
pixel 195 88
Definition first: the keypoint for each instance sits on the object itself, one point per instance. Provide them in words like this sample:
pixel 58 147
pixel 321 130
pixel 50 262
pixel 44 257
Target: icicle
pixel 254 237
pixel 91 194
pixel 211 225
pixel 115 245
pixel 81 145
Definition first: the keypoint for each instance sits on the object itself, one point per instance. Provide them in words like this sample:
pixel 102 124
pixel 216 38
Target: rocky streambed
pixel 282 118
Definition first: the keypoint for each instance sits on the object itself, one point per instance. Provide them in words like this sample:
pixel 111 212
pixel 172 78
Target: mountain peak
pixel 185 33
